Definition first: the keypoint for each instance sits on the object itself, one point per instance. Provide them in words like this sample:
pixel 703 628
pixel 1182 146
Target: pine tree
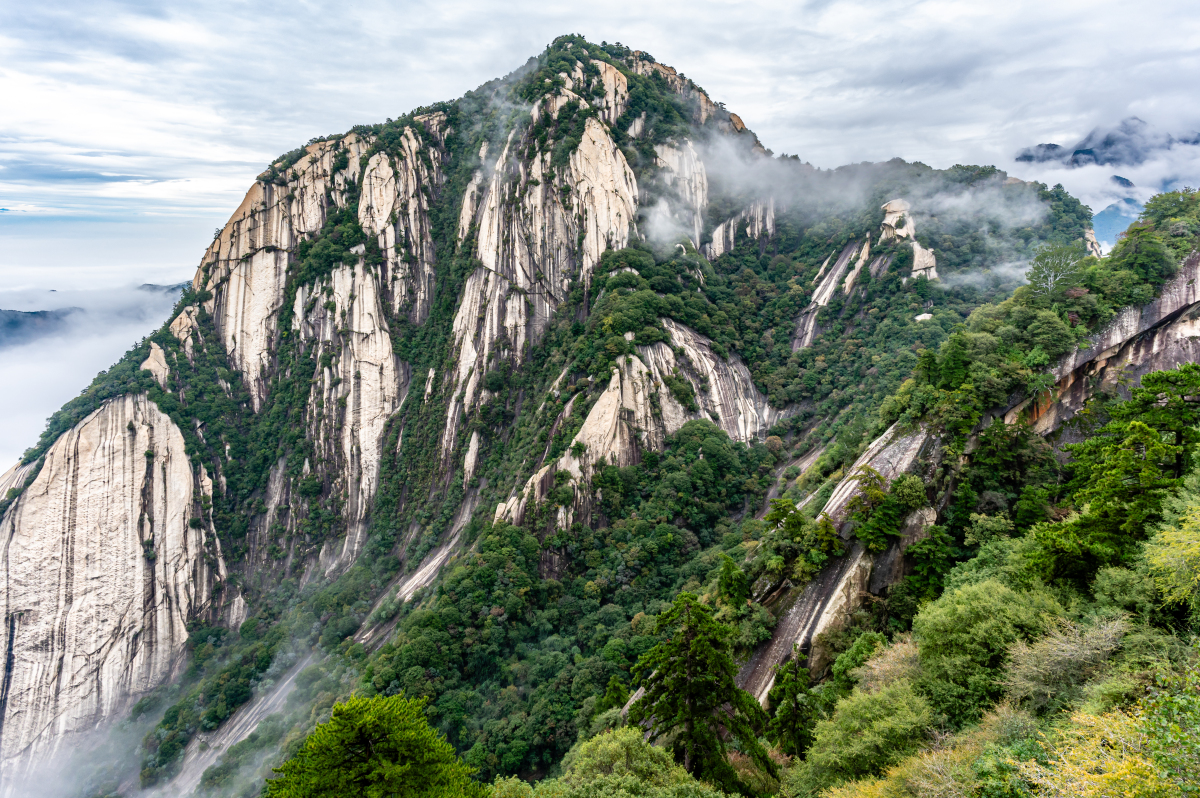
pixel 375 747
pixel 692 697
pixel 795 715
pixel 615 696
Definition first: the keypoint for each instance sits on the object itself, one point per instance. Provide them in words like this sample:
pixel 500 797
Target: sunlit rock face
pixel 532 240
pixel 110 550
pixel 106 557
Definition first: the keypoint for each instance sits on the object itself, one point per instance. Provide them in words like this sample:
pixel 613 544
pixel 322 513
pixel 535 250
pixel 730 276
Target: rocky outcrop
pixel 725 391
pixel 756 222
pixel 1163 334
pixel 703 109
pixel 685 182
pixel 636 412
pixel 831 598
pixel 156 364
pixel 898 224
pixel 245 268
pixel 353 397
pixel 532 240
pixel 806 326
pixel 106 556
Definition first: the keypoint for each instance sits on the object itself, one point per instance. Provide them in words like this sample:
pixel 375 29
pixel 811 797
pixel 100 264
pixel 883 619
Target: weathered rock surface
pixel 686 183
pixel 1163 334
pixel 354 397
pixel 529 251
pixel 898 224
pixel 806 327
pixel 828 601
pixel 106 556
pixel 245 267
pixel 756 222
pixel 637 412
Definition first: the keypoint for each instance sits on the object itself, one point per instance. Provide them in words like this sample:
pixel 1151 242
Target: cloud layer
pixel 132 129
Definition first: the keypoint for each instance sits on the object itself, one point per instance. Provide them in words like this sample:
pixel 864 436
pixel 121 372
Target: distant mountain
pixel 19 327
pixel 1129 143
pixel 54 313
pixel 1115 219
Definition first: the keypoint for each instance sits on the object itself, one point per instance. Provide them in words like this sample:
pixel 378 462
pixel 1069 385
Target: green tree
pixel 795 711
pixel 1142 252
pixel 615 696
pixel 378 748
pixel 1054 269
pixel 868 733
pixel 965 637
pixel 691 696
pixel 732 584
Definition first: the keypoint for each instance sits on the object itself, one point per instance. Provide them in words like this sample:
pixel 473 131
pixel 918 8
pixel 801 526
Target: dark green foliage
pixel 1121 474
pixel 794 709
pixel 375 747
pixel 1142 252
pixel 691 696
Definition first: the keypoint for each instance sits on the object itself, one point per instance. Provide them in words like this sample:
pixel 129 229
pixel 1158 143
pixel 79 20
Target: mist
pixel 45 365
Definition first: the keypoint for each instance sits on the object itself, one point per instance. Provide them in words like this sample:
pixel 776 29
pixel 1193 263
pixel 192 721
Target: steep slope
pixel 108 554
pixel 599 410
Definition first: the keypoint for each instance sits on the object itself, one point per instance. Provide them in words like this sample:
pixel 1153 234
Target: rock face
pixel 637 412
pixel 898 224
pixel 806 327
pixel 1161 335
pixel 828 601
pixel 106 556
pixel 531 249
pixel 353 397
pixel 686 183
pixel 755 222
pixel 245 267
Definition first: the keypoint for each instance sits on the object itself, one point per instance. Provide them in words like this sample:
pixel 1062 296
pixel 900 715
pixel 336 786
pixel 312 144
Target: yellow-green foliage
pixel 616 764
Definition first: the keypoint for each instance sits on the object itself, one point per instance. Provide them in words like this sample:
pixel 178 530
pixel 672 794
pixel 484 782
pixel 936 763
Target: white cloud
pixel 132 129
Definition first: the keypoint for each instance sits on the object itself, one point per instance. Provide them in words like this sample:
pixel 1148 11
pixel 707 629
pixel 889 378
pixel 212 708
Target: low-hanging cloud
pixel 47 365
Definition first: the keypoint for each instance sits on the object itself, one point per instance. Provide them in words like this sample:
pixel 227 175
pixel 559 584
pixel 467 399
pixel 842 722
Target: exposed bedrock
pixel 637 412
pixel 532 240
pixel 1163 334
pixel 106 556
pixel 828 601
pixel 755 222
pixel 353 397
pixel 245 267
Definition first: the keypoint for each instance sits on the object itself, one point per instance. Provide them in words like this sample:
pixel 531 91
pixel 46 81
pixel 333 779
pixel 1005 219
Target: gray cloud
pixel 132 129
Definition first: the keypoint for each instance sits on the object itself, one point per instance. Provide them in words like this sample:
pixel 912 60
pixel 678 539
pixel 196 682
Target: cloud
pixel 132 128
pixel 52 362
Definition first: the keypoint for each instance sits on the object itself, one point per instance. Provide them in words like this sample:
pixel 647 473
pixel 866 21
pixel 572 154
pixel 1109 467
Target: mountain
pixel 1129 143
pixel 1115 219
pixel 457 403
pixel 22 326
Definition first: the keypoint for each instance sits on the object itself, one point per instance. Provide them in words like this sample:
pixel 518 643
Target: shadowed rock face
pixel 827 602
pixel 102 566
pixel 1163 334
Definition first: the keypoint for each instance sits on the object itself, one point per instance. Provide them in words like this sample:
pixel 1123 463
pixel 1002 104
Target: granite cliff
pixel 422 330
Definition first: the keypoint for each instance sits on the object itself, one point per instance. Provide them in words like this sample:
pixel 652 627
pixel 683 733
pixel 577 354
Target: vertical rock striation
pixel 106 556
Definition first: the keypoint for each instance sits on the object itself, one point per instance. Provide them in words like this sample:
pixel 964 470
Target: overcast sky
pixel 129 131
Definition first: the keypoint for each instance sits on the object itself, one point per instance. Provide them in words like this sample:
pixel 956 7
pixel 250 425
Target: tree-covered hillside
pixel 1038 637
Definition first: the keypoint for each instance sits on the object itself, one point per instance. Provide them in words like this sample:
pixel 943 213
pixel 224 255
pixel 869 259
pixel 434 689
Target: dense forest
pixel 1042 639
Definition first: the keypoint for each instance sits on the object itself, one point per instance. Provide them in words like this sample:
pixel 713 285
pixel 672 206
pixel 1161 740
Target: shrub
pixel 1048 673
pixel 965 638
pixel 868 733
